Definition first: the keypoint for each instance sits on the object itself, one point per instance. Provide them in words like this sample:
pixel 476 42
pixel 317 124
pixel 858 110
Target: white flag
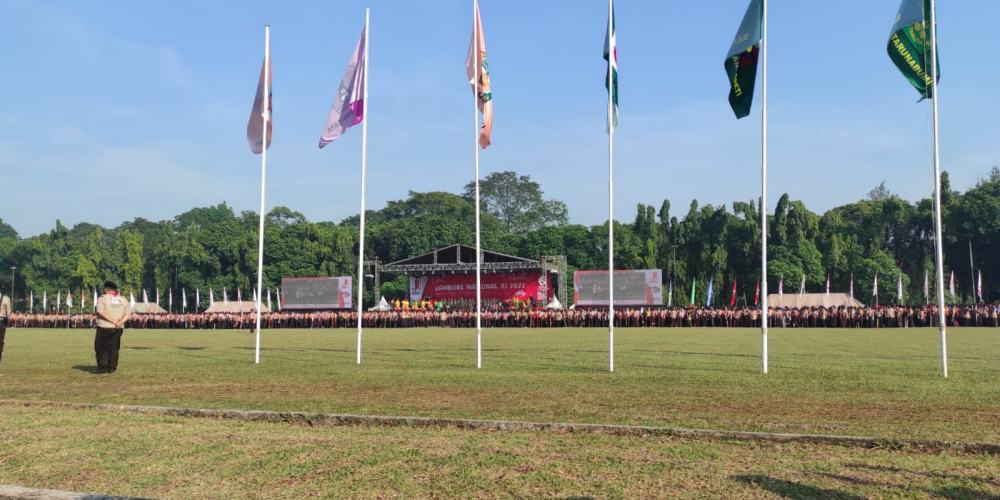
pixel 899 288
pixel 269 299
pixel 262 108
pixel 184 300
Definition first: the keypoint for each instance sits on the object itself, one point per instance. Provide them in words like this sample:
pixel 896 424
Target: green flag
pixel 909 46
pixel 693 282
pixel 611 56
pixel 741 63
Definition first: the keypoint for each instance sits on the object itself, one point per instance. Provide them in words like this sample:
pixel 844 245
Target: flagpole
pixel 475 144
pixel 763 192
pixel 938 250
pixel 611 189
pixel 263 176
pixel 364 170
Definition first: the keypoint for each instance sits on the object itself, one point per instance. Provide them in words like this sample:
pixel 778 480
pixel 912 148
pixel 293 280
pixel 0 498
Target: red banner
pixel 495 286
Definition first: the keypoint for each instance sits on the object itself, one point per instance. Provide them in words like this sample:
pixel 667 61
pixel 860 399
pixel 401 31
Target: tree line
pixel 215 247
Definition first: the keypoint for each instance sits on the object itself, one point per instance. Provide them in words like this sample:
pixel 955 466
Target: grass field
pixel 882 383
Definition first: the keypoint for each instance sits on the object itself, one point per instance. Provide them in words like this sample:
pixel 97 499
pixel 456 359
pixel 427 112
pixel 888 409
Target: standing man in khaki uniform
pixel 4 318
pixel 112 313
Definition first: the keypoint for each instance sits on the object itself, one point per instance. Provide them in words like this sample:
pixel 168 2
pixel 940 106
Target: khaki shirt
pixel 115 307
pixel 4 306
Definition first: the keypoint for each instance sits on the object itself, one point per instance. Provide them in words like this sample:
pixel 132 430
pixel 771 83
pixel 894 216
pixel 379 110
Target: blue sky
pixel 121 109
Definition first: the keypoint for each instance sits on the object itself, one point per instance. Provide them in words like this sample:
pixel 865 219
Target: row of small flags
pixel 710 292
pixel 68 301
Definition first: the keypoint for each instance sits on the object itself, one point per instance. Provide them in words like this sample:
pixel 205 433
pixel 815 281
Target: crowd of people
pixel 526 317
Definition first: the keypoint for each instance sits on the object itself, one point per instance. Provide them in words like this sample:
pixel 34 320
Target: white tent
pixel 383 305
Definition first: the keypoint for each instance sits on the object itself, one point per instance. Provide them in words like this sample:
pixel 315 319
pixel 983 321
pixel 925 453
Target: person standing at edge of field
pixel 4 318
pixel 112 313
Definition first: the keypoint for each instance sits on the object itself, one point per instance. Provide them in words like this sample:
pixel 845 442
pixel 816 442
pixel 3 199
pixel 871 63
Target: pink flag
pixel 478 72
pixel 349 106
pixel 261 111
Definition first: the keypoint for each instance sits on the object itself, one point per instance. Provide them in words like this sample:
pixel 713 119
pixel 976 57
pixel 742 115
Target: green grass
pixel 126 454
pixel 883 383
pixel 880 383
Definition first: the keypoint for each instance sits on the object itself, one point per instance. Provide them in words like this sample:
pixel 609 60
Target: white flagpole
pixel 763 192
pixel 263 176
pixel 611 190
pixel 938 251
pixel 475 144
pixel 364 170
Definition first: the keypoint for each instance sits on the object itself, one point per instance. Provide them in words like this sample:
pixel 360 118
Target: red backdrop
pixel 503 286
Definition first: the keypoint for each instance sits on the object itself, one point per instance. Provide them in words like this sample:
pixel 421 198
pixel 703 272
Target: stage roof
pixel 462 258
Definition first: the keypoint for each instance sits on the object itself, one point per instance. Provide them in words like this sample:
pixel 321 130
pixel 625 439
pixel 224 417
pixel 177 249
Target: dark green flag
pixel 909 46
pixel 741 63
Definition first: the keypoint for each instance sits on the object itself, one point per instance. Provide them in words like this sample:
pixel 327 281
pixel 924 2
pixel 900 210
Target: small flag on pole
pixel 131 300
pixel 145 299
pixel 184 300
pixel 781 289
pixel 802 286
pixel 756 294
pixel 255 127
pixel 348 107
pixel 899 289
pixel 951 286
pixel 225 296
pixel 211 296
pixel 732 298
pixel 979 286
pixel 268 299
pixel 828 286
pixel 741 62
pixel 45 301
pixel 670 293
pixel 909 45
pixel 851 289
pixel 197 299
pixel 69 300
pixel 875 289
pixel 475 64
pixel 693 282
pixel 711 281
pixel 611 56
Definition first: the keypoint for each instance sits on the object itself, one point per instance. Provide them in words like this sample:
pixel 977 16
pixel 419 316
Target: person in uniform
pixel 112 313
pixel 4 318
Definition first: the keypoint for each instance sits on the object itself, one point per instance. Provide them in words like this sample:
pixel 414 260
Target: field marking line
pixel 335 420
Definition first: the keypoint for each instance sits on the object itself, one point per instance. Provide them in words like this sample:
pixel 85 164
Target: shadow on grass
pixel 790 489
pixel 139 348
pixel 191 348
pixel 933 475
pixel 92 369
